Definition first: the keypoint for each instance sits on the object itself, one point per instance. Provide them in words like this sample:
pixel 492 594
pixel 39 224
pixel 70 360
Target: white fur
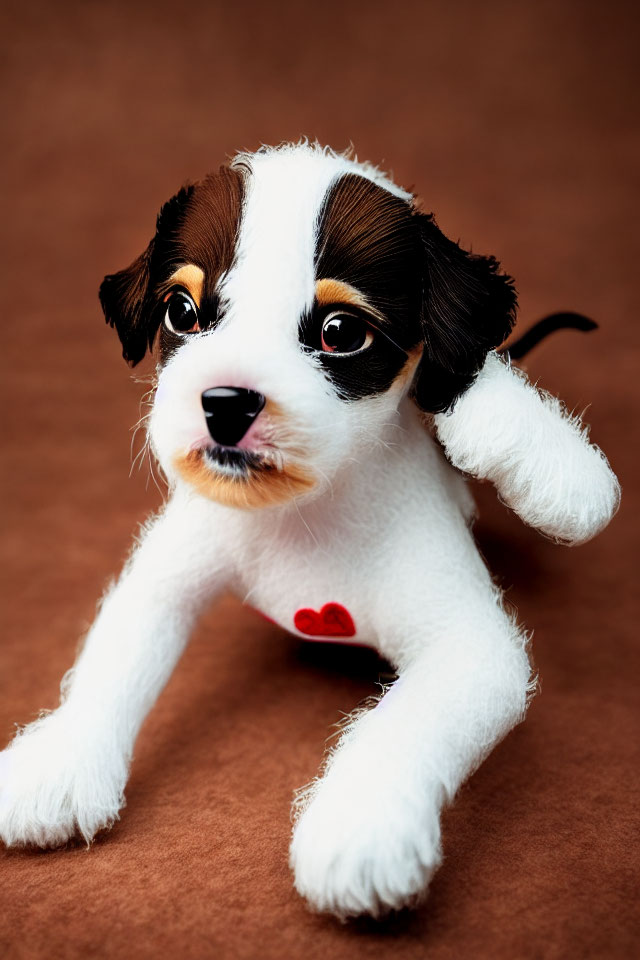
pixel 66 772
pixel 384 532
pixel 538 456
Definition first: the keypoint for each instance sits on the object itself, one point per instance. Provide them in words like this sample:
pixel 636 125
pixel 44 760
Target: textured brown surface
pixel 515 121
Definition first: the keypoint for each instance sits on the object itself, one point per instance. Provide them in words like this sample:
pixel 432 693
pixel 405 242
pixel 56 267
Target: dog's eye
pixel 182 315
pixel 345 333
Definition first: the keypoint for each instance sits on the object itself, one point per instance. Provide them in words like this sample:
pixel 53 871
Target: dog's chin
pixel 242 478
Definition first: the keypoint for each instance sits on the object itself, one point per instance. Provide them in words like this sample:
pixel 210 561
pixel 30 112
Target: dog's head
pixel 297 296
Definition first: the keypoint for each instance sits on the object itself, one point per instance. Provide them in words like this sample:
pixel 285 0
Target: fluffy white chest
pixel 346 566
pixel 316 596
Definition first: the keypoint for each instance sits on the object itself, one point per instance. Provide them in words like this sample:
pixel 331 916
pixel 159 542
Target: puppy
pixel 327 371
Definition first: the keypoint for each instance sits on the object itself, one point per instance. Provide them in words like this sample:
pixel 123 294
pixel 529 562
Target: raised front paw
pixel 55 784
pixel 364 851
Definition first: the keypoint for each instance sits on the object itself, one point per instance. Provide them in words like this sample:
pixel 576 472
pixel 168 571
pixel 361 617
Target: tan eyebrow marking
pixel 409 368
pixel 337 291
pixel 191 278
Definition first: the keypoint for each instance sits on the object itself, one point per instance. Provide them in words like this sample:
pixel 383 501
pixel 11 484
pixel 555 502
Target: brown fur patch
pixel 199 227
pixel 204 238
pixel 207 233
pixel 370 240
pixel 369 245
pixel 263 487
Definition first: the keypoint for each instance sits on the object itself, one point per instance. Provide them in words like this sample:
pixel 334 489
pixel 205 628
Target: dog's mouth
pixel 243 478
pixel 235 463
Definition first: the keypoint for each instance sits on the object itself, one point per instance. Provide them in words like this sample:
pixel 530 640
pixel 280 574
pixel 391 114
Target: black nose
pixel 230 411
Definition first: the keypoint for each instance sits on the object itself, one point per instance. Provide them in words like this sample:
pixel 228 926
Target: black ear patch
pixel 125 296
pixel 122 296
pixel 468 309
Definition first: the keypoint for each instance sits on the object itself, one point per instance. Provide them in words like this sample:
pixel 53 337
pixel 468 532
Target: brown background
pixel 516 123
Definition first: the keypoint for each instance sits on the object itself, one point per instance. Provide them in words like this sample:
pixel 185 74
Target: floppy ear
pixel 125 296
pixel 468 309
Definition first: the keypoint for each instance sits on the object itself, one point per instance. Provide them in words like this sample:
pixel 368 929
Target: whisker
pixel 309 530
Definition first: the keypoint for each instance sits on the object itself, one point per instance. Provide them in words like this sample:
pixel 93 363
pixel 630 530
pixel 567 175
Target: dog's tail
pixel 542 329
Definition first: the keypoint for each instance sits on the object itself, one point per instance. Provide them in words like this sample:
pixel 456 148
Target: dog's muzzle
pixel 230 411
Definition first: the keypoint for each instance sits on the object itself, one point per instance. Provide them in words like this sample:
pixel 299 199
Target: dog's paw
pixel 364 851
pixel 55 784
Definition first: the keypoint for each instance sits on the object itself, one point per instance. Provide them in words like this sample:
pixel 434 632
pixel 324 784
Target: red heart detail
pixel 333 620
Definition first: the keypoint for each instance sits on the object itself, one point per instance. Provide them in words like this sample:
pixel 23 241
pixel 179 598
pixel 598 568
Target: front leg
pixel 538 456
pixel 65 773
pixel 368 838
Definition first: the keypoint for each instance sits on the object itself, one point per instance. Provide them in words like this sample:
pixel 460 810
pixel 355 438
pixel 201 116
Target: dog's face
pixel 298 296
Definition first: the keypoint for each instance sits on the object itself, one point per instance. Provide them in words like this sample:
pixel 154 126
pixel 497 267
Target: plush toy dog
pixel 327 367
